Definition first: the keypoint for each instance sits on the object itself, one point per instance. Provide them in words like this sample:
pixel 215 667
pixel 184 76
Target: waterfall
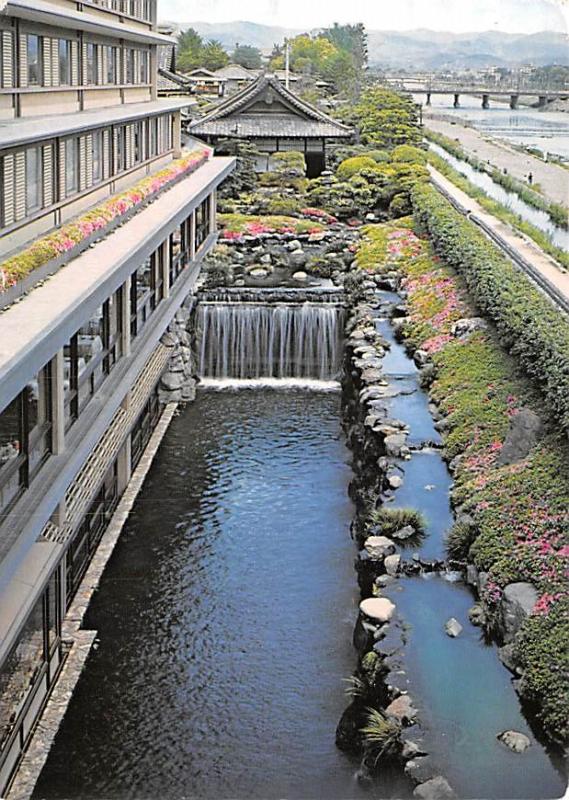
pixel 250 340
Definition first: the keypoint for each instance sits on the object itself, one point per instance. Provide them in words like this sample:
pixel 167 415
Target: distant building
pixel 275 119
pixel 236 76
pixel 203 81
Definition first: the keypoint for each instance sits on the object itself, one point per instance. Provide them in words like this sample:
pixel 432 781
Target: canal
pixel 225 616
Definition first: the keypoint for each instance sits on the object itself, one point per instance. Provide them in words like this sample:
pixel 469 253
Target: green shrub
pixel 352 166
pixel 392 520
pixel 400 206
pixel 287 206
pixel 459 540
pixel 529 326
pixel 409 154
pixel 382 736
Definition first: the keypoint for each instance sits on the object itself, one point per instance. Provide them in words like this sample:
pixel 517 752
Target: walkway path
pixel 522 246
pixel 553 179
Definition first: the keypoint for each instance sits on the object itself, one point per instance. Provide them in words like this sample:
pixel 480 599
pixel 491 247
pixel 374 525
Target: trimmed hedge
pixel 529 326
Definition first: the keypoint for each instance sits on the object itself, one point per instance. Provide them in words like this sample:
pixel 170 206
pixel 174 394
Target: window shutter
pixel 46 60
pixel 115 150
pixel 8 188
pixel 20 199
pixel 82 163
pixel 54 62
pixel 123 64
pixel 23 48
pixel 47 154
pixel 106 153
pixel 128 146
pixel 104 64
pixel 83 63
pixel 74 63
pixel 136 66
pixel 89 159
pixel 61 169
pixel 7 60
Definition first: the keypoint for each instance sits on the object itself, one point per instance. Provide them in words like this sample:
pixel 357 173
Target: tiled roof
pixel 235 72
pixel 300 119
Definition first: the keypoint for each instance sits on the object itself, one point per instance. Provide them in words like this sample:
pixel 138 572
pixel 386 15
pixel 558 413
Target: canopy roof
pixel 266 109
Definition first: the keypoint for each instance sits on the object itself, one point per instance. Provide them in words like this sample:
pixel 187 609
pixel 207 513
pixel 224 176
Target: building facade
pixel 104 220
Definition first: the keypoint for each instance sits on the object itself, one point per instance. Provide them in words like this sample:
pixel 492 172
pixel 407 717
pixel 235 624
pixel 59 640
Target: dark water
pixel 225 616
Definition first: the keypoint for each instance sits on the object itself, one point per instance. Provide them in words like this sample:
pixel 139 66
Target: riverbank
pixel 511 489
pixel 551 178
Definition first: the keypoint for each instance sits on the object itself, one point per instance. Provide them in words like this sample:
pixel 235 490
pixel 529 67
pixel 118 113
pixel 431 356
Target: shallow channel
pixel 225 616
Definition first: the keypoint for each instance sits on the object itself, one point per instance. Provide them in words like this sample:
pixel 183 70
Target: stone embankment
pixel 179 380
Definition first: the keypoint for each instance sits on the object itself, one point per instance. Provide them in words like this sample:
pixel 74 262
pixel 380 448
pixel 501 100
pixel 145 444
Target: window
pixel 143 67
pixel 91 63
pixel 202 223
pixel 146 291
pixel 25 437
pixel 143 427
pixel 180 250
pixel 112 64
pixel 64 53
pixel 129 56
pixel 152 137
pixel 33 179
pixel 90 355
pixel 34 52
pixel 120 149
pixel 71 166
pixel 97 140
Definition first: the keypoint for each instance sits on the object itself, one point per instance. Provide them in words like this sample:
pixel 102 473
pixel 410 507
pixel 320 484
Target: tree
pixel 387 119
pixel 247 56
pixel 190 50
pixel 351 39
pixel 214 56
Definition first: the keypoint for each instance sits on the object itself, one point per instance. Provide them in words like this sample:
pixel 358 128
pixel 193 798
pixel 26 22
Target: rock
pixel 300 276
pixel 525 429
pixel 370 217
pixel 402 710
pixel 294 245
pixel 266 259
pixel 384 580
pixel 420 769
pixel 348 735
pixel 394 444
pixel 405 533
pixel 506 656
pixel 258 273
pixel 516 604
pixel 411 749
pixel 476 615
pixel 453 628
pixel 172 380
pixel 471 575
pixel 421 357
pixel 377 608
pixel 298 258
pixel 482 581
pixel 391 564
pixel 434 789
pixel 462 327
pixel 395 481
pixel 517 742
pixel 378 547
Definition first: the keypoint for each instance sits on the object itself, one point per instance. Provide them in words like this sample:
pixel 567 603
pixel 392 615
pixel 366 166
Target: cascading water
pixel 247 341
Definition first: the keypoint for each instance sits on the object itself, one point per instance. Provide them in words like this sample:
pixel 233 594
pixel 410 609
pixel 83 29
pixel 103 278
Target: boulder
pixel 394 444
pixel 294 245
pixel 476 615
pixel 300 276
pixel 453 628
pixel 518 600
pixel 420 769
pixel 395 481
pixel 506 656
pixel 404 534
pixel 378 547
pixel 391 564
pixel 379 609
pixel 383 581
pixel 525 429
pixel 471 575
pixel 258 273
pixel 462 327
pixel 298 258
pixel 515 741
pixel 411 748
pixel 402 710
pixel 421 357
pixel 172 381
pixel 436 788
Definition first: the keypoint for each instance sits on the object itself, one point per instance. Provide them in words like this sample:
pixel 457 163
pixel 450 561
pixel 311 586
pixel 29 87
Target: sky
pixel 515 16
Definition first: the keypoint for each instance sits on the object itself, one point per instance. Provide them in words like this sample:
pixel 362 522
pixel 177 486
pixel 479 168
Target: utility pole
pixel 287 64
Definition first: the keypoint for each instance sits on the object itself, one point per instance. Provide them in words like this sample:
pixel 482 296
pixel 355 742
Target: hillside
pixel 420 49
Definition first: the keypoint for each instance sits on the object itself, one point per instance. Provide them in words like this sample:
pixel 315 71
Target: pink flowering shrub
pixel 74 233
pixel 235 226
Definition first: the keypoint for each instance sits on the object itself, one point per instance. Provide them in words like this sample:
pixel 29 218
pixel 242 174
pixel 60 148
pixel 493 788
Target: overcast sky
pixel 517 16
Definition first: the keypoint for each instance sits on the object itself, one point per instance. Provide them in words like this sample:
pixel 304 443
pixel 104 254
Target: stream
pixel 557 235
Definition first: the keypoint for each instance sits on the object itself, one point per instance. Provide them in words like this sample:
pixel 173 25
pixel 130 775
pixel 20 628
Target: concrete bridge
pixel 543 96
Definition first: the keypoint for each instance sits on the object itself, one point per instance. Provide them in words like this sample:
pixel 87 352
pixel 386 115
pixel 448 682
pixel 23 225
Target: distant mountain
pixel 419 49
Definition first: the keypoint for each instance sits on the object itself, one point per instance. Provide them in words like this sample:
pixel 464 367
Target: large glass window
pixel 34 53
pixel 146 291
pixel 202 222
pixel 90 355
pixel 91 63
pixel 33 179
pixel 64 53
pixel 180 250
pixel 71 166
pixel 25 438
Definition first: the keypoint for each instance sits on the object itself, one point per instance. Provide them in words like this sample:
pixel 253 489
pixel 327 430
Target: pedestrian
pixel 530 179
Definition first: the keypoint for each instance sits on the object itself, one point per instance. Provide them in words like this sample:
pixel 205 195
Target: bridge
pixel 542 95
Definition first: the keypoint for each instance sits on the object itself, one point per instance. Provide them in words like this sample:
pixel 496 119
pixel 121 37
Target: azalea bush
pixel 73 233
pixel 235 226
pixel 516 517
